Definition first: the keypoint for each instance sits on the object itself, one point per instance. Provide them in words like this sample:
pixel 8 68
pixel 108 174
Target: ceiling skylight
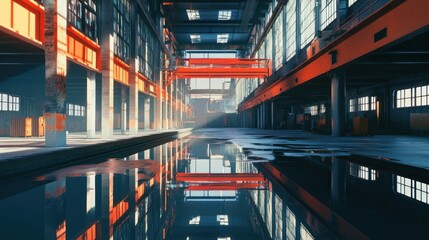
pixel 224 15
pixel 193 14
pixel 195 38
pixel 222 38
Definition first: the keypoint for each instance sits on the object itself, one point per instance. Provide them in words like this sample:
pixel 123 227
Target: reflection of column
pixel 104 204
pixel 171 124
pixel 338 181
pixel 56 71
pixel 90 104
pixel 55 217
pixel 132 190
pixel 273 115
pixel 106 42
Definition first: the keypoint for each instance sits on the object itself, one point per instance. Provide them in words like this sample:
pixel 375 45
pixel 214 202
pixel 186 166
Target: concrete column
pixel 123 109
pixel 165 110
pixel 106 42
pixel 134 68
pixel 171 121
pixel 56 71
pixel 338 182
pixel 90 104
pixel 146 114
pixel 338 103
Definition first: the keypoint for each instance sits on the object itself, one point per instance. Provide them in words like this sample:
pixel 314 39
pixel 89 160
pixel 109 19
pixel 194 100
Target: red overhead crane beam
pixel 226 186
pixel 220 177
pixel 222 68
pixel 355 43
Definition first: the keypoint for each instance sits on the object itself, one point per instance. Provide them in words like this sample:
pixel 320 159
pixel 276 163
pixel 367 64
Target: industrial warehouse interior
pixel 214 119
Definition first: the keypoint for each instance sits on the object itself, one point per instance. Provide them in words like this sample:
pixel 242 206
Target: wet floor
pixel 207 187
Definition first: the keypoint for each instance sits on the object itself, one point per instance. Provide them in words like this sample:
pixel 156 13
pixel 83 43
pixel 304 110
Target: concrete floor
pixel 18 147
pixel 402 149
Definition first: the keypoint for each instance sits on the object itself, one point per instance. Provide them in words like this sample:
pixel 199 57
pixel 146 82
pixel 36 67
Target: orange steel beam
pixel 220 177
pixel 23 18
pixel 83 49
pixel 225 186
pixel 357 42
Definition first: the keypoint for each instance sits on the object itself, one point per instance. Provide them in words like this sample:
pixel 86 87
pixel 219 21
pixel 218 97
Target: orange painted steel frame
pixel 222 68
pixel 25 18
pixel 219 177
pixel 83 49
pixel 352 45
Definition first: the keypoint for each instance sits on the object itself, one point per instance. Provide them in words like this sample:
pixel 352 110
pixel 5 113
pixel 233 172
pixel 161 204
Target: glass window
pixel 312 110
pixel 307 22
pixel 290 29
pixel 352 105
pixel 328 12
pixel 278 26
pixel 373 103
pixel 146 48
pixel 363 103
pixel 290 224
pixel 82 14
pixel 121 29
pixel 305 234
pixel 9 102
pixel 422 96
pixel 403 98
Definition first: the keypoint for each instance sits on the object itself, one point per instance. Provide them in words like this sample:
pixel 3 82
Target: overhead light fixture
pixel 222 38
pixel 224 15
pixel 195 38
pixel 193 14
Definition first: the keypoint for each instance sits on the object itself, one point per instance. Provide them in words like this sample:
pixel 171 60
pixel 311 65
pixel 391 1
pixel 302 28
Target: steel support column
pixel 134 68
pixel 338 103
pixel 90 104
pixel 106 42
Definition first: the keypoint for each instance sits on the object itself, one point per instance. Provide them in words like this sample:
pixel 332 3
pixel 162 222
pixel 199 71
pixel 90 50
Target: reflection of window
pixel 362 172
pixel 351 2
pixel 9 103
pixel 305 234
pixel 412 188
pixel 195 220
pixel 352 105
pixel 290 224
pixel 222 219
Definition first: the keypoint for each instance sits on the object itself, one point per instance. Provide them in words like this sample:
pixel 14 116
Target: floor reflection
pixel 203 188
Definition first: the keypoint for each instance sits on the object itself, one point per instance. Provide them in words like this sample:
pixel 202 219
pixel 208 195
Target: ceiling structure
pixel 213 24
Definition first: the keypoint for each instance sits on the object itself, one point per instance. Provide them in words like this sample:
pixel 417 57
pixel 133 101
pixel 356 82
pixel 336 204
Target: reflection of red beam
pixel 219 177
pixel 225 186
pixel 89 234
pixel 118 211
